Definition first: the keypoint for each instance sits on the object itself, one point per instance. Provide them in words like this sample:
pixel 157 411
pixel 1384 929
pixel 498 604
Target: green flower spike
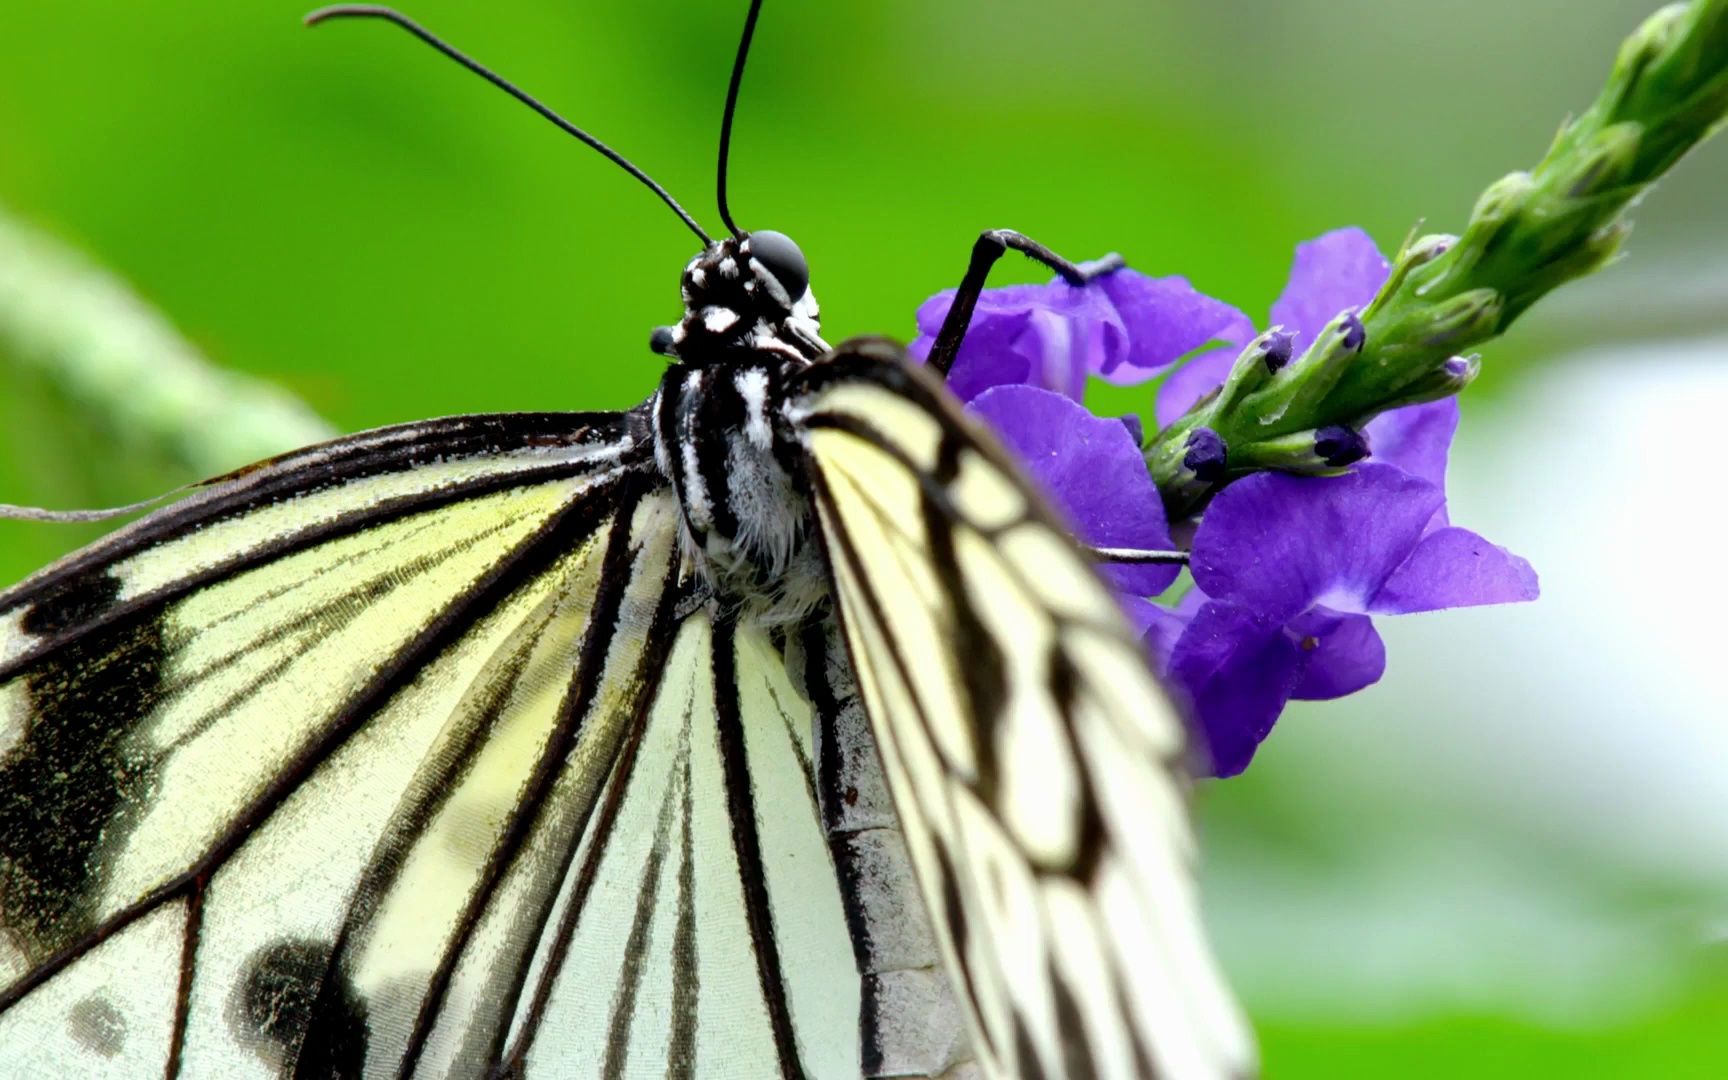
pixel 1529 232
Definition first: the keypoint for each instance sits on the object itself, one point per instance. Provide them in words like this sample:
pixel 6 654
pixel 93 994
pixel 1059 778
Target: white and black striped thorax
pixel 720 434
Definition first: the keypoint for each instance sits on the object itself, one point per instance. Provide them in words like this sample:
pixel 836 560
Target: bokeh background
pixel 1510 858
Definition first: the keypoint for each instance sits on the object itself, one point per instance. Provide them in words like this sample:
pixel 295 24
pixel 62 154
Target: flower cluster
pixel 1286 571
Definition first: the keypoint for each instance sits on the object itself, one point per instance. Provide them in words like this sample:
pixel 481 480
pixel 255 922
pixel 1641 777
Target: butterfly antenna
pixel 375 11
pixel 732 108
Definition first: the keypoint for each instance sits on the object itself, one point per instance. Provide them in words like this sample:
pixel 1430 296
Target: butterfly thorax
pixel 720 436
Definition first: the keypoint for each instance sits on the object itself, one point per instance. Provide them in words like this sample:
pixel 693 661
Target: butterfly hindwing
pixel 711 894
pixel 1036 766
pixel 910 1022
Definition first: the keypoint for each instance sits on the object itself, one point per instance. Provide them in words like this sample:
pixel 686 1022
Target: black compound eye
pixel 781 257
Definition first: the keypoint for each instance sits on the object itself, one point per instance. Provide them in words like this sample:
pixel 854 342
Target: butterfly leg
pixel 1137 556
pixel 991 244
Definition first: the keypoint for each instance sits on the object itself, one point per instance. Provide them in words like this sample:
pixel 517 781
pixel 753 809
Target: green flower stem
pixel 118 360
pixel 1529 232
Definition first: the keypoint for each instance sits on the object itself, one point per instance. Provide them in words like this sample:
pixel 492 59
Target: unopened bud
pixel 1416 255
pixel 1339 446
pixel 1253 368
pixel 1206 455
pixel 1607 162
pixel 1352 334
pixel 1428 248
pixel 1463 320
pixel 1446 379
pixel 1320 452
pixel 1306 382
pixel 1275 348
pixel 1649 44
pixel 1501 200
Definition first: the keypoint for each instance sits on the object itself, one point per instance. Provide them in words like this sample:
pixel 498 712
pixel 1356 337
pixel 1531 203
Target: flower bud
pixel 1501 200
pixel 1339 446
pixel 1253 368
pixel 1649 44
pixel 1463 320
pixel 1415 255
pixel 1428 248
pixel 1189 470
pixel 1206 455
pixel 1275 348
pixel 1351 333
pixel 1607 162
pixel 1319 452
pixel 1307 381
pixel 1444 380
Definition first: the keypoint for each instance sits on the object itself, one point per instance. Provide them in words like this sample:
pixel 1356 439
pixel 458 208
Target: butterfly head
pixel 747 292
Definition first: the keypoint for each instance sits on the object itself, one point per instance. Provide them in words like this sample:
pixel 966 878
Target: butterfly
pixel 774 727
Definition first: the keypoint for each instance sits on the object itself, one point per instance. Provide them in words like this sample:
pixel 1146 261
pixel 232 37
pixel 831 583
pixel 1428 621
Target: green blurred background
pixel 1508 859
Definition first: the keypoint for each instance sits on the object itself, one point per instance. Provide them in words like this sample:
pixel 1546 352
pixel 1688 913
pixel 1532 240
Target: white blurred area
pixel 1528 817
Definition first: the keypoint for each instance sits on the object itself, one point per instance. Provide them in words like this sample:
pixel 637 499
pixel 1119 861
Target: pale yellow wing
pixel 208 720
pixel 1035 763
pixel 414 754
pixel 703 933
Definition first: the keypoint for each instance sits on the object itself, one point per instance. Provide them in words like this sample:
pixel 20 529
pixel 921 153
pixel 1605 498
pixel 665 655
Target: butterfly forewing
pixel 157 723
pixel 433 760
pixel 474 840
pixel 1036 766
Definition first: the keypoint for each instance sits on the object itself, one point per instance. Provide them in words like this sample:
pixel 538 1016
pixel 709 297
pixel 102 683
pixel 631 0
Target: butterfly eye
pixel 781 257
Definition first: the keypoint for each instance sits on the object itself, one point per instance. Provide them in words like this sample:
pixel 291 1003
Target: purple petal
pixel 1238 671
pixel 1341 269
pixel 1040 335
pixel 1416 438
pixel 1093 471
pixel 1191 382
pixel 1280 544
pixel 1166 319
pixel 1341 653
pixel 1454 567
pixel 1159 628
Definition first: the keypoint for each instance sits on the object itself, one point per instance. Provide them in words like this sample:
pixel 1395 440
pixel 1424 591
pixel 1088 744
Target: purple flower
pixel 1288 571
pixel 1124 327
pixel 1092 468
